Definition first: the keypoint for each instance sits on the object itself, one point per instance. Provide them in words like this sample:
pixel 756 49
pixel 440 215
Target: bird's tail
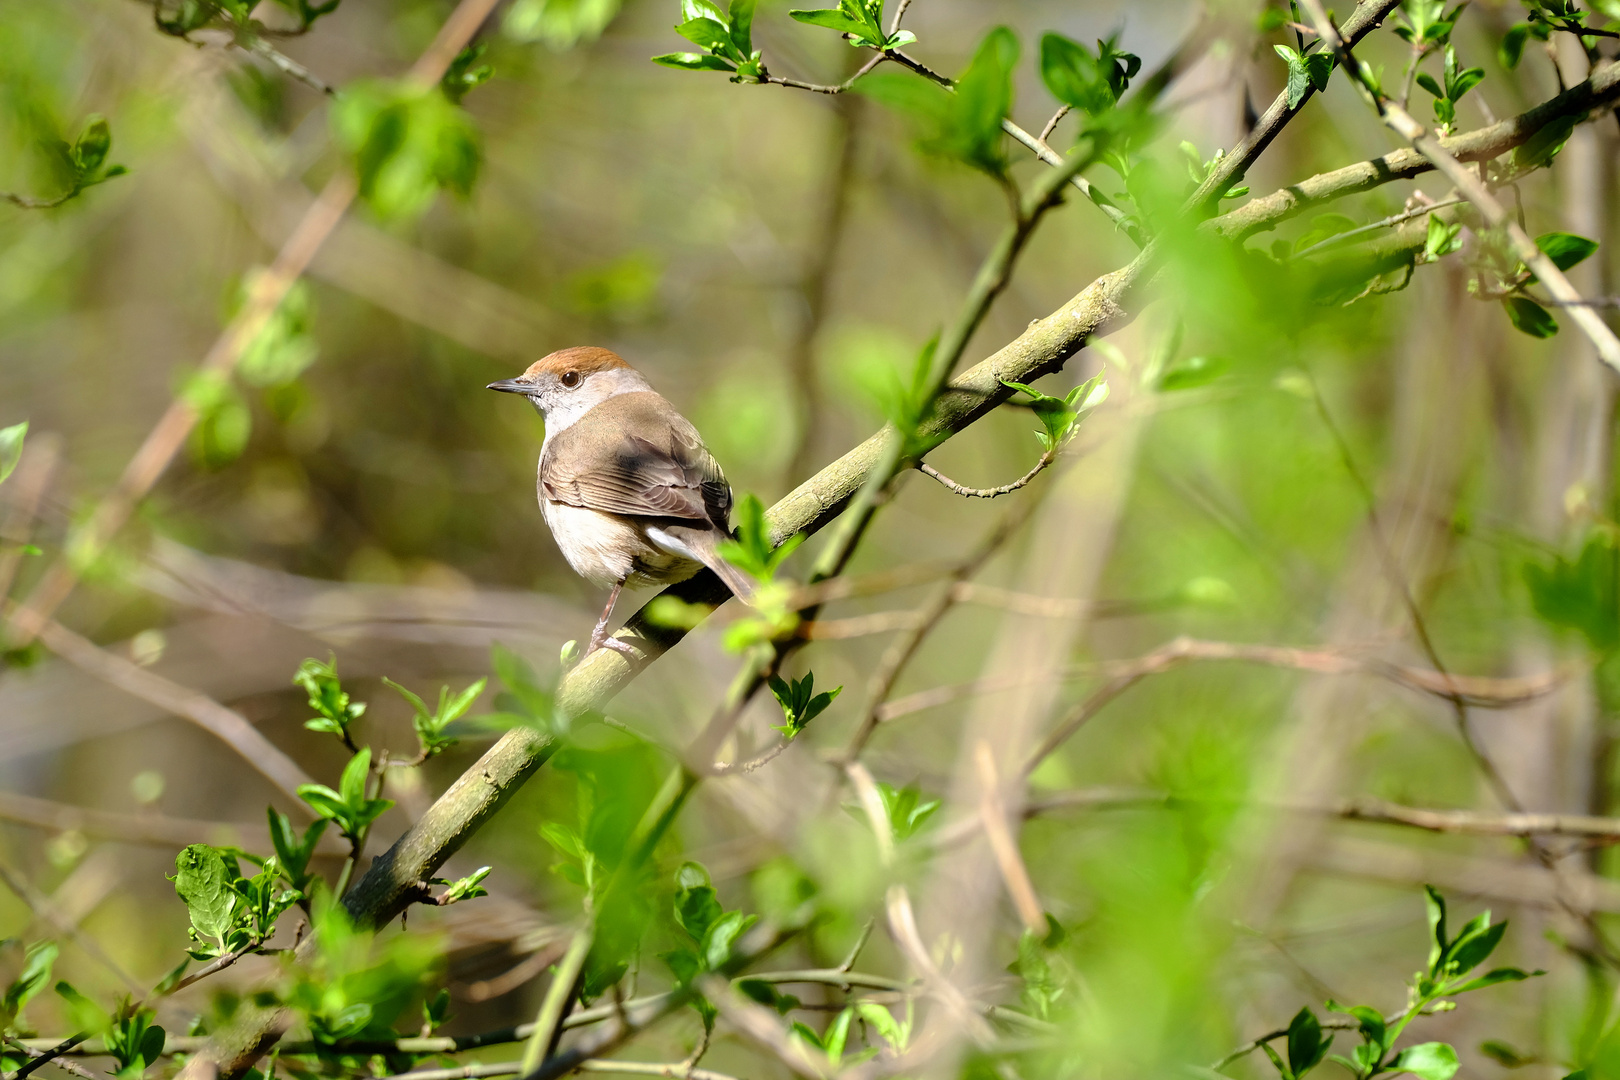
pixel 704 546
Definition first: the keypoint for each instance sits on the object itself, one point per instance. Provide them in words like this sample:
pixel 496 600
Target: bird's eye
pixel 570 379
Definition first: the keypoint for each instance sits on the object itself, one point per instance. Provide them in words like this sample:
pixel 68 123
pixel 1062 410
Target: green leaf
pixel 11 447
pixel 352 786
pixel 1369 1021
pixel 1474 946
pixel 326 802
pixel 85 1014
pixel 1544 145
pixel 1583 594
pixel 202 881
pixel 1441 239
pixel 1566 249
pixel 1299 81
pixel 831 18
pixel 1192 371
pixel 465 73
pixel 1428 1061
pixel 1319 69
pixel 1529 317
pixel 35 975
pixel 1434 905
pixel 1512 47
pixel 1426 81
pixel 707 33
pixel 406 143
pixel 1306 1047
pixel 742 26
pixel 722 934
pixel 1492 978
pixel 90 149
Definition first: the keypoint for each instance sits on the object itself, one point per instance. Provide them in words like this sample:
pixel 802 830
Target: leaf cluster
pixel 861 23
pixel 1060 416
pixel 182 18
pixel 285 346
pixel 230 913
pixel 905 811
pixel 1451 959
pixel 1426 24
pixel 406 144
pixel 1458 81
pixel 711 931
pixel 1583 593
pixel 1092 82
pixel 962 123
pixel 431 724
pixel 34 976
pixel 750 550
pixel 726 38
pixel 1527 316
pixel 1306 72
pixel 349 807
pixel 334 709
pixel 799 701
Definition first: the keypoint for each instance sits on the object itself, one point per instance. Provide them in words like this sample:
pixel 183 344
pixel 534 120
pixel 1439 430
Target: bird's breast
pixel 606 548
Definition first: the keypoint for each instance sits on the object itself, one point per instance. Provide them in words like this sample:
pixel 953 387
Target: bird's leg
pixel 599 636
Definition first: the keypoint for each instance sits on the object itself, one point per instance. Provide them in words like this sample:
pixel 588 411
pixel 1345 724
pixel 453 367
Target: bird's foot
pixel 600 639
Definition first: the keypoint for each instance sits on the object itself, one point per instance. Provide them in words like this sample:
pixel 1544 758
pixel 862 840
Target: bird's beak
pixel 512 386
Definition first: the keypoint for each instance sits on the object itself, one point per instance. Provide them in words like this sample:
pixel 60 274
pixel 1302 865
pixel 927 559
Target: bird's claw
pixel 601 640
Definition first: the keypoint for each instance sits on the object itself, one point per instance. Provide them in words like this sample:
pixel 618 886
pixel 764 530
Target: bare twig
pixel 145 828
pixel 1394 219
pixel 927 617
pixel 993 813
pixel 989 493
pixel 227 725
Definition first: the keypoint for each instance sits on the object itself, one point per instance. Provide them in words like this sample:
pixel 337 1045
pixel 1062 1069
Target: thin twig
pixel 1394 219
pixel 225 724
pixel 989 493
pixel 289 67
pixel 1051 125
pixel 900 652
pixel 993 813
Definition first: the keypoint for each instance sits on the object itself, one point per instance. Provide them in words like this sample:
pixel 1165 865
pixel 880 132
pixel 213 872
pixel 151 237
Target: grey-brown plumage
pixel 635 455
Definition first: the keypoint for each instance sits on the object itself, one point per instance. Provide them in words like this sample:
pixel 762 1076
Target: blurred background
pixel 1313 476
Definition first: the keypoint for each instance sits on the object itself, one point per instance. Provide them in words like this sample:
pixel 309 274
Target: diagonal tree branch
pixel 1040 350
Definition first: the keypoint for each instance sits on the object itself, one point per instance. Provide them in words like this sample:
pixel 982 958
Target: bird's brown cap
pixel 585 359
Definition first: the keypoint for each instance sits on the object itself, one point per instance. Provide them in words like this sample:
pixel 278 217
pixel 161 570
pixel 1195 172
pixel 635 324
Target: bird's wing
pixel 635 455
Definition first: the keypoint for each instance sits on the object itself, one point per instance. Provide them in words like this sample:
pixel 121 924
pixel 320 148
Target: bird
pixel 629 490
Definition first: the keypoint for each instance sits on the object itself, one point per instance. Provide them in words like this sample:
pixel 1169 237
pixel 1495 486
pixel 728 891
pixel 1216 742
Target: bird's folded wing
pixel 635 455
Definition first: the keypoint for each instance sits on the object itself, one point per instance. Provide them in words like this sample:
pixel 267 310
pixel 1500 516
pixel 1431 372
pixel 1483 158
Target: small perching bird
pixel 630 492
